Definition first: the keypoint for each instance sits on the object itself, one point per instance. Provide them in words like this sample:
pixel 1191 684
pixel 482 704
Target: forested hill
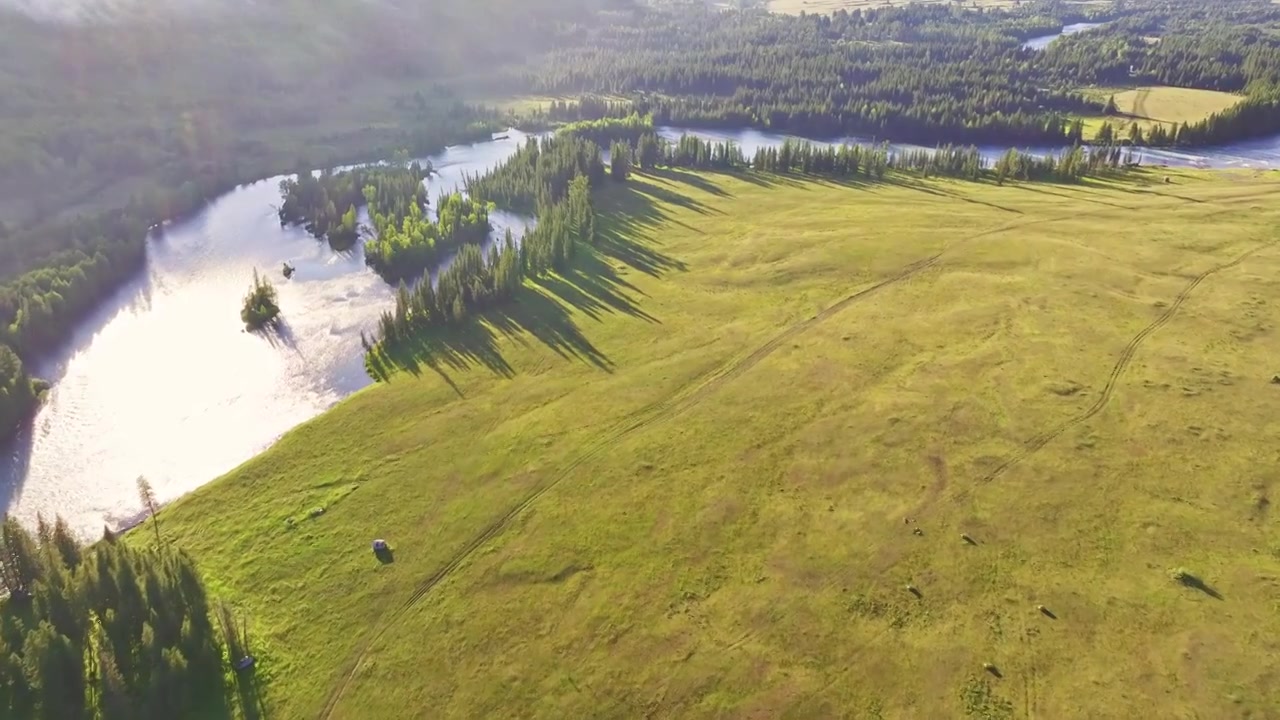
pixel 87 103
pixel 139 112
pixel 924 73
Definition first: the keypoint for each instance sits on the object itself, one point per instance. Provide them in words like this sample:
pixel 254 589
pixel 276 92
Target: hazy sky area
pixel 81 10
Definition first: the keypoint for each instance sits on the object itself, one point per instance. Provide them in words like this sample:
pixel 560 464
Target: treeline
pixel 106 632
pixel 874 162
pixel 919 73
pixel 471 283
pixel 19 393
pixel 923 74
pixel 1184 43
pixel 539 174
pixel 326 203
pixel 606 129
pixel 1069 166
pixel 1254 116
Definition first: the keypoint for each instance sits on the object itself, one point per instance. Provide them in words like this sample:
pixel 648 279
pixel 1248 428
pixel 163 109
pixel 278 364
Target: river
pixel 1042 42
pixel 162 381
pixel 1261 154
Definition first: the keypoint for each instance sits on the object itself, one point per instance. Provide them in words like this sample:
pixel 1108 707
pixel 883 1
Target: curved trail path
pixel 1126 357
pixel 690 397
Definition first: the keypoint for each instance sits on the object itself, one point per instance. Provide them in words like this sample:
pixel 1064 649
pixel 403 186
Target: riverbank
pixel 661 470
pixel 123 403
pixel 82 453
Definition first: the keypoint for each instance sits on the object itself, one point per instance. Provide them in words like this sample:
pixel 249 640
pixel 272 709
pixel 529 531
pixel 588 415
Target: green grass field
pixel 1156 105
pixel 685 480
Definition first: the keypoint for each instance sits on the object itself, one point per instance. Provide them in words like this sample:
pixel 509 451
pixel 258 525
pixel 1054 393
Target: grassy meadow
pixel 1157 105
pixel 695 476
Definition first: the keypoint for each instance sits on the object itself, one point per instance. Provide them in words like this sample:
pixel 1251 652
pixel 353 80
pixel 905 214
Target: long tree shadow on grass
pixel 251 705
pixel 938 188
pixel 538 314
pixel 456 347
pixel 543 310
pixel 242 694
pixel 699 181
pixel 639 184
pixel 534 313
pixel 627 215
pixel 595 290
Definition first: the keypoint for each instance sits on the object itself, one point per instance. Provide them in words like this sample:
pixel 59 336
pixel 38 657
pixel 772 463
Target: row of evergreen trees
pixel 19 393
pixel 1069 166
pixel 538 175
pixel 1255 116
pixel 473 283
pixel 605 129
pixel 873 162
pixel 107 632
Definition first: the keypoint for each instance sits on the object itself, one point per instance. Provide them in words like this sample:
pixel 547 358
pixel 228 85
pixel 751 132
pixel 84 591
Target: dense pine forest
pixel 922 73
pixel 108 631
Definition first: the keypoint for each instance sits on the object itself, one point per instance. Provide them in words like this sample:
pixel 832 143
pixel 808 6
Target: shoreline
pixel 127 521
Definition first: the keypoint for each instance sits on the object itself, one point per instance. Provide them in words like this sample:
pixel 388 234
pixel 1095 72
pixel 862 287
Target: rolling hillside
pixel 930 449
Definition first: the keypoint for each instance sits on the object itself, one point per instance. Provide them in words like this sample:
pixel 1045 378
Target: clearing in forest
pixel 695 476
pixel 1149 106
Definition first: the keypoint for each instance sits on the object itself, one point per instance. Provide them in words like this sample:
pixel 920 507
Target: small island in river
pixel 261 306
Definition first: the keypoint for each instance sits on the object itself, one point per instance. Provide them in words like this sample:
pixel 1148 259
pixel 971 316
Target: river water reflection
pixel 163 382
pixel 1042 42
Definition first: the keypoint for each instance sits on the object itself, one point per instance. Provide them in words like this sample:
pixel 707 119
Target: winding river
pixel 162 381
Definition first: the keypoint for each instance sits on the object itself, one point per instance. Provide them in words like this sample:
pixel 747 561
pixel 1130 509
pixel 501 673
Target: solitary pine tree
pixel 649 151
pixel 620 161
pixel 260 305
pixel 148 498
